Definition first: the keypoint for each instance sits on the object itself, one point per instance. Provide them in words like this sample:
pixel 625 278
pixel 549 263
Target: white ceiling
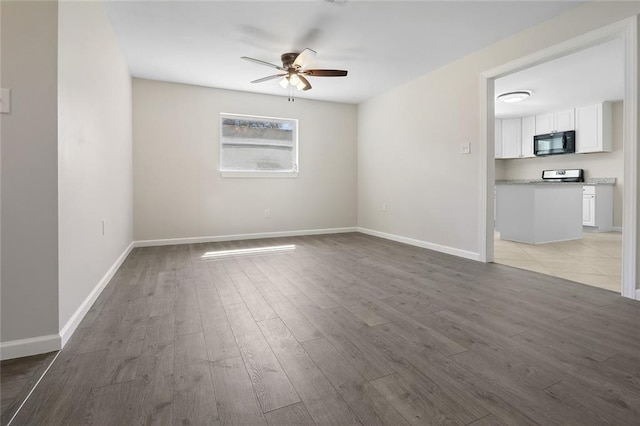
pixel 381 43
pixel 586 77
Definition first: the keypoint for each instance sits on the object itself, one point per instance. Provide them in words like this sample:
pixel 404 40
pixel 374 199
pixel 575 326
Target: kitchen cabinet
pixel 528 132
pixel 544 123
pixel 588 208
pixel 565 120
pixel 593 128
pixel 597 207
pixel 511 137
pixel 558 121
pixel 537 213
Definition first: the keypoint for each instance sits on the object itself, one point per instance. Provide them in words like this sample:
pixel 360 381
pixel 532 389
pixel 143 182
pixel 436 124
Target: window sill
pixel 264 174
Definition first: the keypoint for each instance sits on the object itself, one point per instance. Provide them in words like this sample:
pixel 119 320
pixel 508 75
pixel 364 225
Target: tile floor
pixel 594 260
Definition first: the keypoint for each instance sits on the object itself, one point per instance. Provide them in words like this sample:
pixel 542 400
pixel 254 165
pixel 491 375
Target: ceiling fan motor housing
pixel 288 59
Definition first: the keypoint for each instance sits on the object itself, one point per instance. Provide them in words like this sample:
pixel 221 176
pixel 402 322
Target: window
pixel 253 146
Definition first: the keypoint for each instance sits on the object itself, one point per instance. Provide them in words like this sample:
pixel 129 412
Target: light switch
pixel 5 101
pixel 466 148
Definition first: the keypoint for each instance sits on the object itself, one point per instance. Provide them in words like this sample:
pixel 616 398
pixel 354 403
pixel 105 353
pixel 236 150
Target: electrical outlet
pixel 466 148
pixel 267 213
pixel 384 207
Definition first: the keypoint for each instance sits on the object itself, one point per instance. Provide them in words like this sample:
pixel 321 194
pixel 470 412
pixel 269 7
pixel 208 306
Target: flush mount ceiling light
pixel 511 97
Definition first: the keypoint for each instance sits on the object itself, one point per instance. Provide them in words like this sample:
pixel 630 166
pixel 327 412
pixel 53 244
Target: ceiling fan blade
pixel 304 58
pixel 307 85
pixel 325 73
pixel 258 61
pixel 271 77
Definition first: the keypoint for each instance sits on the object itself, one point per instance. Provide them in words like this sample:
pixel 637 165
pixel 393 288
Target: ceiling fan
pixel 293 70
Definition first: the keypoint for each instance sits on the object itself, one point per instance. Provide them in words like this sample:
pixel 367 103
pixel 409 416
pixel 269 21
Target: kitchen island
pixel 537 212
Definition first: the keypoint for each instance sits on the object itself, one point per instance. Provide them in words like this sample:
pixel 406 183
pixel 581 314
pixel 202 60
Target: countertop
pixel 600 181
pixel 590 181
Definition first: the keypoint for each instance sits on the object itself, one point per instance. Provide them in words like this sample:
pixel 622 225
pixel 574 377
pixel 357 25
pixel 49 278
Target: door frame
pixel 627 30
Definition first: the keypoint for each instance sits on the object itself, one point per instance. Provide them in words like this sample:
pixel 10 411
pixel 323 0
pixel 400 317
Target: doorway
pixel 627 31
pixel 569 88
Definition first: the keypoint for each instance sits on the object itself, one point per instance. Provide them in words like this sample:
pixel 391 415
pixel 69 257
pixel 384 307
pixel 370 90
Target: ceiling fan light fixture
pixel 516 96
pixel 302 85
pixel 284 82
pixel 294 80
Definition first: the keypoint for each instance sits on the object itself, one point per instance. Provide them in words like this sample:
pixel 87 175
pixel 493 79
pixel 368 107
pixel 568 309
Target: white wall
pixel 500 170
pixel 179 193
pixel 410 137
pixel 29 174
pixel 94 152
pixel 605 164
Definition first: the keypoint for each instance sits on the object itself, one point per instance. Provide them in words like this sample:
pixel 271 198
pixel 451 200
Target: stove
pixel 568 175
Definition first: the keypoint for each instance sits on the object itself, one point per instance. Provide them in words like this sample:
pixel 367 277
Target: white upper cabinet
pixel 528 132
pixel 592 123
pixel 558 121
pixel 593 128
pixel 514 137
pixel 511 137
pixel 544 124
pixel 565 120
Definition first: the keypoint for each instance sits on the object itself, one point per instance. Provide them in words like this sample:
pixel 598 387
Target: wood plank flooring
pixel 17 377
pixel 343 329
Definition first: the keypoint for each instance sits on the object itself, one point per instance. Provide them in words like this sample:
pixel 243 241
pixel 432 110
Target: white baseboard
pixel 27 347
pixel 595 229
pixel 431 246
pixel 637 293
pixel 219 238
pixel 78 315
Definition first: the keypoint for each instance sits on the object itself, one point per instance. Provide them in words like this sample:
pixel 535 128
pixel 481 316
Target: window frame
pixel 293 173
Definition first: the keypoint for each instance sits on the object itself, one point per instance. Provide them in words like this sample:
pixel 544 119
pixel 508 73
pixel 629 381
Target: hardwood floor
pixel 343 329
pixel 17 378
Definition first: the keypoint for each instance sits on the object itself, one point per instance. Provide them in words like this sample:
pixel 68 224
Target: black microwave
pixel 555 143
